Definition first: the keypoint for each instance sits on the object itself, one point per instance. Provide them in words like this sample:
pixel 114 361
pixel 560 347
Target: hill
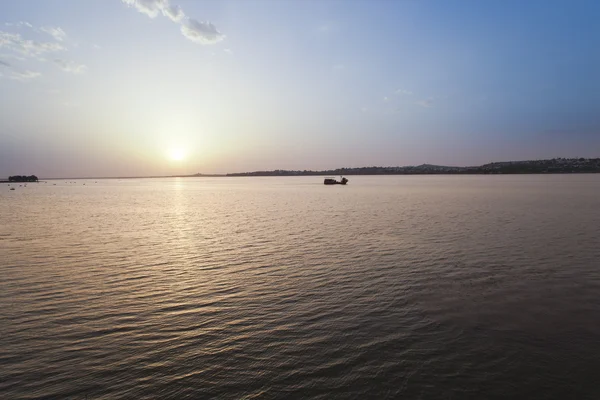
pixel 552 166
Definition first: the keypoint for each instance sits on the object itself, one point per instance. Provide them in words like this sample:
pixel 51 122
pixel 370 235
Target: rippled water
pixel 240 288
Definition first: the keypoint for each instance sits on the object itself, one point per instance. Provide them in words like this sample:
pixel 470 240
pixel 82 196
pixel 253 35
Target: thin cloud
pixel 427 103
pixel 56 33
pixel 174 13
pixel 402 91
pixel 23 49
pixel 153 8
pixel 19 24
pixel 15 42
pixel 24 76
pixel 12 56
pixel 70 66
pixel 199 32
pixel 149 7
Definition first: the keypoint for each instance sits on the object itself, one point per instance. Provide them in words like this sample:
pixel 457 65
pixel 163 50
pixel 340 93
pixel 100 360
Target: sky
pixel 159 87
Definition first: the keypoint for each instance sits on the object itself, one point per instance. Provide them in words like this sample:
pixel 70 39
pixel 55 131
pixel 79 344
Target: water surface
pixel 241 288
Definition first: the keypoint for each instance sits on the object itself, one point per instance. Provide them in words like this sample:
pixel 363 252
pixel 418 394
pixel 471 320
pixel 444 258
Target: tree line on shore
pixel 553 166
pixel 23 178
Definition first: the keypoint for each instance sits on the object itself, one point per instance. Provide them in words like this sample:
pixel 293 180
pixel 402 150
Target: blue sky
pixel 144 87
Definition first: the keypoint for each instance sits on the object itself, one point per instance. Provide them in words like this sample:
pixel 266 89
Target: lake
pixel 432 287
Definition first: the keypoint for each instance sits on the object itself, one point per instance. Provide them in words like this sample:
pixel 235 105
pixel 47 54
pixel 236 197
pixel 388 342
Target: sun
pixel 176 154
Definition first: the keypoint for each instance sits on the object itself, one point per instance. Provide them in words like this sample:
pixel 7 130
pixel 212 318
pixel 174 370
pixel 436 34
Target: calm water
pixel 240 288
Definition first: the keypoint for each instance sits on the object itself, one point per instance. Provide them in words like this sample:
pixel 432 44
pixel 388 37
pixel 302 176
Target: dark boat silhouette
pixel 333 181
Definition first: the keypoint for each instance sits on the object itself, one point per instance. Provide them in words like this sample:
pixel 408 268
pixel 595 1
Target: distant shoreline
pixel 267 175
pixel 536 167
pixel 552 166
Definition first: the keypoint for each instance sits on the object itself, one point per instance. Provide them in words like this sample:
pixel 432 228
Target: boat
pixel 333 181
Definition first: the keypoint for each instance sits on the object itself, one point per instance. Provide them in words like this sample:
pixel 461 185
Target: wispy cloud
pixel 201 32
pixel 204 33
pixel 70 66
pixel 12 56
pixel 174 13
pixel 149 7
pixel 57 33
pixel 15 42
pixel 26 51
pixel 18 24
pixel 403 91
pixel 153 8
pixel 427 103
pixel 4 63
pixel 24 75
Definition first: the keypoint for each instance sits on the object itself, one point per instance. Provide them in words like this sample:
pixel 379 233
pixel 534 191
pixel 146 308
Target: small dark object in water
pixel 332 181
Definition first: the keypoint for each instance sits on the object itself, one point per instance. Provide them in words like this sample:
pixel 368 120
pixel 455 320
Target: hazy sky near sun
pixel 144 87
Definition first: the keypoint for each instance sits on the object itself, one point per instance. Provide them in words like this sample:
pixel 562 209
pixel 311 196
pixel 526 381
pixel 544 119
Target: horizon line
pixel 324 172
